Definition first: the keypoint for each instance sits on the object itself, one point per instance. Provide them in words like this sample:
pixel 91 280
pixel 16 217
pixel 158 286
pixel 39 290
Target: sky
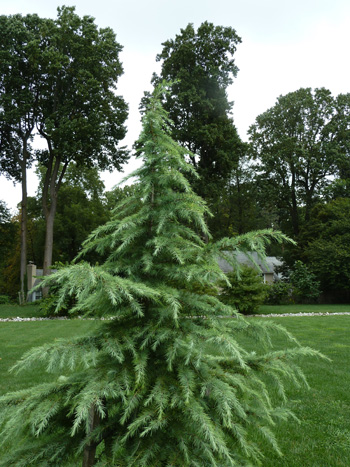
pixel 285 45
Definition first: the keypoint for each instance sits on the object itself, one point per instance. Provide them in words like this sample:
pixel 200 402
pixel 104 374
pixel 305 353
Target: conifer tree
pixel 165 382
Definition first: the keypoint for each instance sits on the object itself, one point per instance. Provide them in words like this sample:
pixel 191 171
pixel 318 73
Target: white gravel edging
pixel 271 315
pixel 18 319
pixel 299 315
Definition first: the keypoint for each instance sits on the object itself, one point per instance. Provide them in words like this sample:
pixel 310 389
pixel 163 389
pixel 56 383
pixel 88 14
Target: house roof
pixel 267 267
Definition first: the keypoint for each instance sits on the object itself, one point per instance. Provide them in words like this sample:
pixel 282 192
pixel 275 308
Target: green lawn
pixel 23 311
pixel 277 309
pixel 17 338
pixel 323 437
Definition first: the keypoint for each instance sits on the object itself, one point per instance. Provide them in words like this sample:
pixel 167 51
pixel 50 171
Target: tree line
pixel 292 175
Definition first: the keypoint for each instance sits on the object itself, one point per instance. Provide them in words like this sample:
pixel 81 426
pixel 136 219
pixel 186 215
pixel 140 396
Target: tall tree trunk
pixel 50 219
pixel 89 453
pixel 23 264
pixel 294 207
pixel 52 182
pixel 239 205
pixel 309 198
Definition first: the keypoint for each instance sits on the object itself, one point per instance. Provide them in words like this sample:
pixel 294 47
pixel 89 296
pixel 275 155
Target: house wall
pixel 32 280
pixel 268 278
pixel 31 273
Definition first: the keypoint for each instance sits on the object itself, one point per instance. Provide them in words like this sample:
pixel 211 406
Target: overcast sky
pixel 285 45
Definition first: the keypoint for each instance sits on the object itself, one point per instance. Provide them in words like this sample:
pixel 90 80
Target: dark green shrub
pixel 4 299
pixel 305 286
pixel 48 305
pixel 298 286
pixel 278 293
pixel 246 293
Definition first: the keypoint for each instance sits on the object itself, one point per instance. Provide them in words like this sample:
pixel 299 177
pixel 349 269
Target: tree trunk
pixel 52 183
pixel 50 218
pixel 90 449
pixel 294 208
pixel 239 205
pixel 23 266
pixel 309 198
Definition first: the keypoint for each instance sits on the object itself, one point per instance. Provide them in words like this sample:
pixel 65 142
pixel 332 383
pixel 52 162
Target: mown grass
pixel 278 309
pixel 322 439
pixel 16 338
pixel 22 311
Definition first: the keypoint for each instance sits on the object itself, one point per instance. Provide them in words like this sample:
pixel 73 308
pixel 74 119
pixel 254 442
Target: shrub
pixel 48 306
pixel 278 293
pixel 305 286
pixel 247 292
pixel 4 299
pixel 299 286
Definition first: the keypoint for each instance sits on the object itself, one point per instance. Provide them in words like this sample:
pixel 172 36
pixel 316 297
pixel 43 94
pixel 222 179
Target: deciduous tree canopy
pixel 201 66
pixel 19 94
pixel 81 117
pixel 327 242
pixel 59 77
pixel 298 144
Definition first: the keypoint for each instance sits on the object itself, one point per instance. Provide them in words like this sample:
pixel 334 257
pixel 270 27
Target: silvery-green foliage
pixel 166 381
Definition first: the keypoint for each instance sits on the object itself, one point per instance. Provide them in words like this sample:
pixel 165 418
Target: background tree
pixel 239 209
pixel 19 92
pixel 306 288
pixel 81 207
pixel 201 66
pixel 59 76
pixel 80 116
pixel 327 251
pixel 117 195
pixel 158 385
pixel 9 231
pixel 78 214
pixel 298 144
pixel 343 125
